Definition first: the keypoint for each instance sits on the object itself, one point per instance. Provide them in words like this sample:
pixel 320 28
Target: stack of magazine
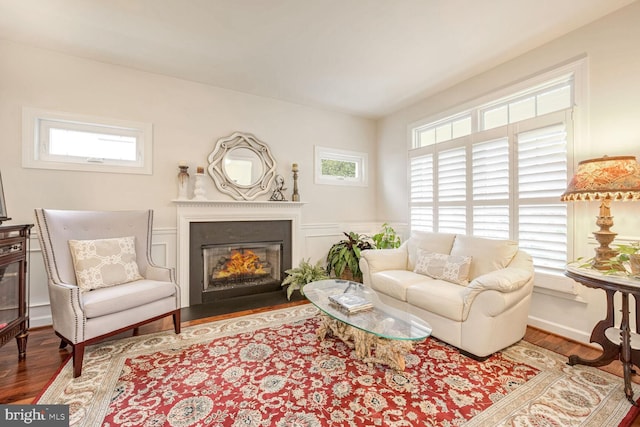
pixel 350 303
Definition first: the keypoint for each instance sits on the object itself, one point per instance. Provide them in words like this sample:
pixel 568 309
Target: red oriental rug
pixel 270 369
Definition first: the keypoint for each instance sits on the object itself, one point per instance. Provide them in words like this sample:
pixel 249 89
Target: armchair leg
pixel 176 321
pixel 78 355
pixel 63 344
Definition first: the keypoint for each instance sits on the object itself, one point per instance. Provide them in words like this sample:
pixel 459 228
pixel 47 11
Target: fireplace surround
pixel 193 212
pixel 229 259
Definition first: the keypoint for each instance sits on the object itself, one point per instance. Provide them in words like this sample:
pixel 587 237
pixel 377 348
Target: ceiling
pixel 363 57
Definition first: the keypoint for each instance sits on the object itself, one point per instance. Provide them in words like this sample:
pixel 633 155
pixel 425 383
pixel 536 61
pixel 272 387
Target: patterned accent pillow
pixel 105 262
pixel 452 268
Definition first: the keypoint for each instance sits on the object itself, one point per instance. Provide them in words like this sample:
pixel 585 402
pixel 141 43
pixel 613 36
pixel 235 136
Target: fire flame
pixel 246 262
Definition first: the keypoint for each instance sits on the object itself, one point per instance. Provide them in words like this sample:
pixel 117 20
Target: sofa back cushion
pixel 433 242
pixel 487 254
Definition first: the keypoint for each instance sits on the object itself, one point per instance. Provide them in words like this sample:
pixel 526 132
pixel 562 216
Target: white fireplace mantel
pixel 189 211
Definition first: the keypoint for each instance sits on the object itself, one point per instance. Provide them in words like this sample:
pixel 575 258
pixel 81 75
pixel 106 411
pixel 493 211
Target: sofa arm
pixel 375 260
pixel 506 281
pixel 67 312
pixel 385 259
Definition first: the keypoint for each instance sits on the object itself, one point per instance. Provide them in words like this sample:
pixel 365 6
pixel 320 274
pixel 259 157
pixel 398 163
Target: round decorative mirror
pixel 242 166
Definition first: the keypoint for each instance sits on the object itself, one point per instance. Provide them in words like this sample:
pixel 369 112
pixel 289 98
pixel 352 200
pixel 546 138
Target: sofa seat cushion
pixel 440 297
pixel 100 302
pixel 394 283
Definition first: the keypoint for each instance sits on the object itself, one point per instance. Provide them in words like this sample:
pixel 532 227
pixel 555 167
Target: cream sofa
pixel 479 318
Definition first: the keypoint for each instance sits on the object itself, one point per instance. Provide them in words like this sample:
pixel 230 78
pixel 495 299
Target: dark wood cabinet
pixel 14 285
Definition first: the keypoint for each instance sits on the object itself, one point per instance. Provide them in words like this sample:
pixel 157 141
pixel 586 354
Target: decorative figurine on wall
pixel 278 188
pixel 295 197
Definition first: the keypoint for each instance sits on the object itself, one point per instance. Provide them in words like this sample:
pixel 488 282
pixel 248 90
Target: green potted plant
pixel 387 238
pixel 344 257
pixel 304 273
pixel 627 260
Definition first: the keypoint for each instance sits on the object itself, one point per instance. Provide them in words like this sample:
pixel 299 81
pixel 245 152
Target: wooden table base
pixel 368 347
pixel 612 348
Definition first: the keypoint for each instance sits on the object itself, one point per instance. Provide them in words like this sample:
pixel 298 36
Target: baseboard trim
pixel 564 331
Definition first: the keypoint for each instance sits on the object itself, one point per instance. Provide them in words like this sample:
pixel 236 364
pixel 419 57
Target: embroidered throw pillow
pixel 452 268
pixel 105 262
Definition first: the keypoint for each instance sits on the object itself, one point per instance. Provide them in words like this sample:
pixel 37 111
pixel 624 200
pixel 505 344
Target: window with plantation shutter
pixel 503 176
pixel 490 180
pixel 452 182
pixel 421 188
pixel 452 190
pixel 542 176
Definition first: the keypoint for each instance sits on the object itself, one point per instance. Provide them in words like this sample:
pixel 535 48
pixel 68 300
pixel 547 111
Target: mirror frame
pixel 216 166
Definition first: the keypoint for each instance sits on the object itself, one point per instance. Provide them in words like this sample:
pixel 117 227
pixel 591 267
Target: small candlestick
pixel 183 181
pixel 295 197
pixel 198 190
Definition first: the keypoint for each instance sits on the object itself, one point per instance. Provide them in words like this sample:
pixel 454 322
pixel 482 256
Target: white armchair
pixel 88 310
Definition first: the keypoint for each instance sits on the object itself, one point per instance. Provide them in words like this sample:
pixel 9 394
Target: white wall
pixel 187 120
pixel 612 127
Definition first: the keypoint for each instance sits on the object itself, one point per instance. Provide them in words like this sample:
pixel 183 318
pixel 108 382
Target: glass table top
pixel 381 320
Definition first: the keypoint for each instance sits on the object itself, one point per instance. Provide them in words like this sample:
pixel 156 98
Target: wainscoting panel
pixel 316 238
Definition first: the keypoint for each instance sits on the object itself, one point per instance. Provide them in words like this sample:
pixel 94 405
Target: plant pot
pixel 347 274
pixel 634 263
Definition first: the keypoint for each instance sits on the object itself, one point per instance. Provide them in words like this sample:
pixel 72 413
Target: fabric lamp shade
pixel 615 178
pixel 605 179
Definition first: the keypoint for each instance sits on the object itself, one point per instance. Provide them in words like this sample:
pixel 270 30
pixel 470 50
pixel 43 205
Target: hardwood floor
pixel 22 381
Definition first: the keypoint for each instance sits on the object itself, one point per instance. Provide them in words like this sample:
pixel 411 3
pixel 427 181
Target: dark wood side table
pixel 14 289
pixel 617 343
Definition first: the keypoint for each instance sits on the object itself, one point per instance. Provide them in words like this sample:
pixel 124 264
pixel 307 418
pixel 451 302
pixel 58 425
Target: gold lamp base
pixel 604 236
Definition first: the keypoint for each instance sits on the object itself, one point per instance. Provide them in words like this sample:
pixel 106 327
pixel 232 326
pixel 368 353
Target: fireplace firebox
pixel 230 259
pixel 241 265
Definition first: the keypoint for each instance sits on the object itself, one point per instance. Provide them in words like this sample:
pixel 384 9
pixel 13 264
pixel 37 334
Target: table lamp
pixel 605 179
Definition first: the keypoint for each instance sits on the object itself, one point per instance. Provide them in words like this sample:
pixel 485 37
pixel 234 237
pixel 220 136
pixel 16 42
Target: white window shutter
pixel 542 177
pixel 421 192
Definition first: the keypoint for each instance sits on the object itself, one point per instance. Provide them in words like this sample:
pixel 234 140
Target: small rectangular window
pixel 426 137
pixel 64 141
pixel 522 109
pixel 461 127
pixel 554 100
pixel 340 167
pixel 494 117
pixel 547 98
pixel 442 131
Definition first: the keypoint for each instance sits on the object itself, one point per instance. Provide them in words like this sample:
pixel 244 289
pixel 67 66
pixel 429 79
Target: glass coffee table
pixel 378 334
